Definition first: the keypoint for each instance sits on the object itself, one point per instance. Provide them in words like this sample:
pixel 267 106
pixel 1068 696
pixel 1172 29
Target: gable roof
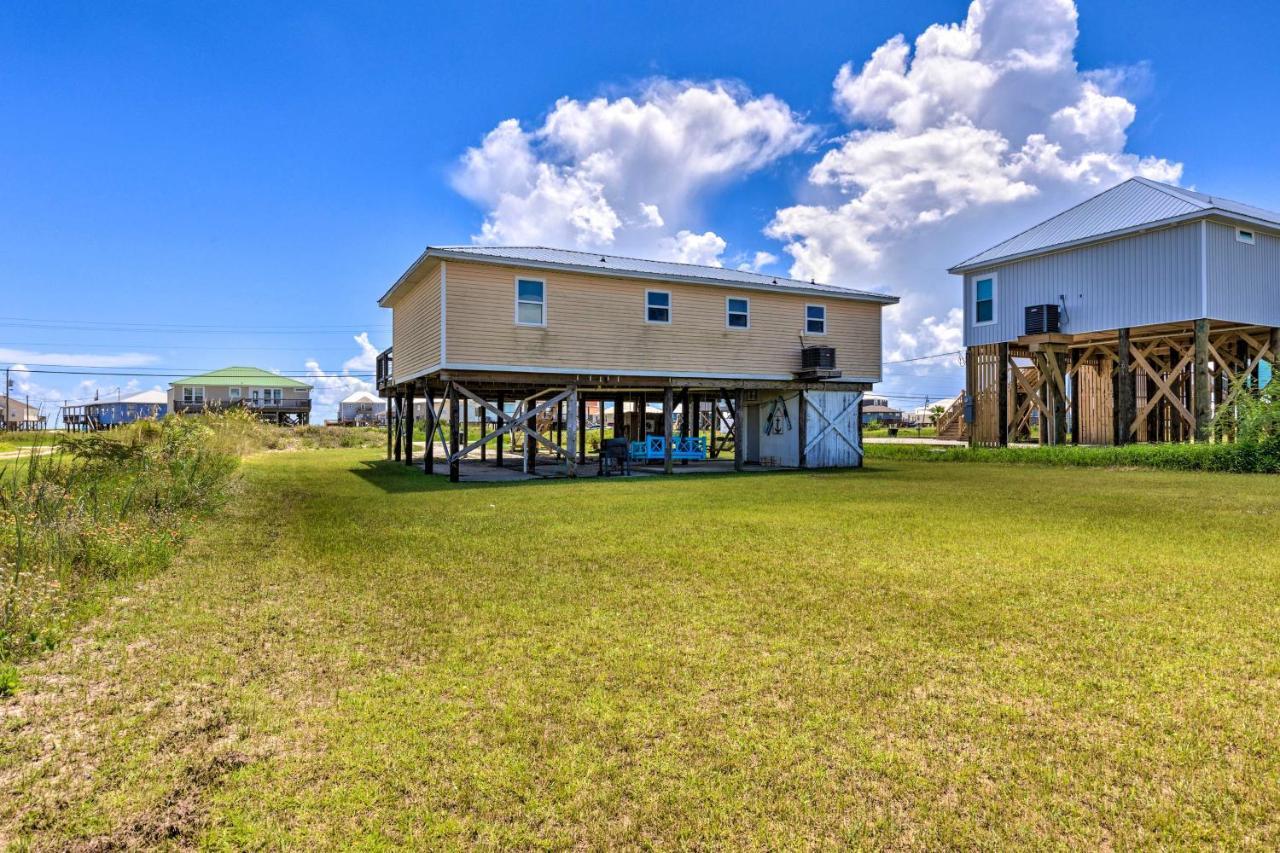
pixel 1134 205
pixel 541 257
pixel 361 397
pixel 230 376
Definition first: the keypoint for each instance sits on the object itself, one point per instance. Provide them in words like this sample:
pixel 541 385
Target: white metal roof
pixel 541 257
pixel 362 397
pixel 147 397
pixel 1136 204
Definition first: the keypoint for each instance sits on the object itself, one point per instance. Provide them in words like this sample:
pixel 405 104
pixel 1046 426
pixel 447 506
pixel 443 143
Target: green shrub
pixel 8 679
pixel 1239 457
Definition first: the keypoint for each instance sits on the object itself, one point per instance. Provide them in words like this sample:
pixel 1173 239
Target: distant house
pixel 877 410
pixel 362 408
pixel 1134 316
pixel 18 415
pixel 272 397
pixel 105 414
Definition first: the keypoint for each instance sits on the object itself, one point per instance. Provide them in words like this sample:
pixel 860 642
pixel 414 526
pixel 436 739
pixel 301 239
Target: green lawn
pixel 913 655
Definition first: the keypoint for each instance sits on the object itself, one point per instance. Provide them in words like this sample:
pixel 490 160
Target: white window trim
pixel 670 308
pixel 727 312
pixel 195 398
pixel 995 297
pixel 806 332
pixel 516 301
pixel 233 394
pixel 1250 240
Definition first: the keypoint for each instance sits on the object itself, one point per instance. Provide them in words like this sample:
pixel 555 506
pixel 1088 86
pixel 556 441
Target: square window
pixel 737 313
pixel 1245 236
pixel 815 319
pixel 657 306
pixel 531 299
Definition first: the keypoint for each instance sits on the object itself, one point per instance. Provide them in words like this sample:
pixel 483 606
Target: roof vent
pixel 602 260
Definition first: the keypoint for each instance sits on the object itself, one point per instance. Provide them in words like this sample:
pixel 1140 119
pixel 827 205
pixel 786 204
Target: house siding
pixel 597 324
pixel 1243 279
pixel 415 324
pixel 221 394
pixel 1132 281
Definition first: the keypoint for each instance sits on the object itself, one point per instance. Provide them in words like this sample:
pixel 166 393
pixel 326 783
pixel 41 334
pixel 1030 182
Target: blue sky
pixel 270 170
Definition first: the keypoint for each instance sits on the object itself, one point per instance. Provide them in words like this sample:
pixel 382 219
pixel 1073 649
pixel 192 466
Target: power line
pixel 152 325
pixel 161 373
pixel 154 346
pixel 925 357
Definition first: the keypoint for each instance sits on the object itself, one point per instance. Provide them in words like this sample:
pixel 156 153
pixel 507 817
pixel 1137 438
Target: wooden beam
pixel 581 443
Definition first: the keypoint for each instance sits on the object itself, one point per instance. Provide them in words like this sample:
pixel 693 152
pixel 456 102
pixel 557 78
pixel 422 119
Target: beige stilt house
pixel 689 364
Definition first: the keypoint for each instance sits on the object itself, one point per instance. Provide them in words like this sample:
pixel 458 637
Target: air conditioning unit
pixel 818 358
pixel 1042 319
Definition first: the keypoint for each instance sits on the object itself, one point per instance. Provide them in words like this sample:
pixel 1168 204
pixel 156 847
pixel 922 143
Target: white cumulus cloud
pixel 626 173
pixel 958 139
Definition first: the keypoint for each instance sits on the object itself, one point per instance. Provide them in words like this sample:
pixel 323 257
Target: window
pixel 233 394
pixel 984 301
pixel 815 319
pixel 1244 236
pixel 531 302
pixel 737 313
pixel 192 394
pixel 657 306
pixel 272 395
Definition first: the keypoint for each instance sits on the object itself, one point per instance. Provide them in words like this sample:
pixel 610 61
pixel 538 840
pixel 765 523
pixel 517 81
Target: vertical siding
pixel 415 326
pixel 597 324
pixel 1244 280
pixel 1133 281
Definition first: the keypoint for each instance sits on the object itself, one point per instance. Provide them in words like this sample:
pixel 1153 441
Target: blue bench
pixel 652 449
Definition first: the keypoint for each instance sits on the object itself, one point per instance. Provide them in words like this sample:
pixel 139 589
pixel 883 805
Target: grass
pixel 912 655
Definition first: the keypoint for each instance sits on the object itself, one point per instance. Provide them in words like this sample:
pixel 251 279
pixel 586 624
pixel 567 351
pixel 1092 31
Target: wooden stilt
pixel 390 430
pixel 408 428
pixel 399 430
pixel 454 461
pixel 684 418
pixel 429 454
pixel 1125 413
pixel 570 461
pixel 484 424
pixel 667 405
pixel 1200 396
pixel 802 428
pixel 739 431
pixel 581 404
pixel 560 424
pixel 498 422
pixel 1002 396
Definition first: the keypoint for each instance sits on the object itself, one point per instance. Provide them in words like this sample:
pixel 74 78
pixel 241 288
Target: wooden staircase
pixel 951 425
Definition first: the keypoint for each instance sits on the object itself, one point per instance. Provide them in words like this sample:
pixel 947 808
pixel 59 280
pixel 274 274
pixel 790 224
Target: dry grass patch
pixel 913 655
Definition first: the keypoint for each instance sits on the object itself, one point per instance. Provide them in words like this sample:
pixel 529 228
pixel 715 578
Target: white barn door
pixel 832 439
